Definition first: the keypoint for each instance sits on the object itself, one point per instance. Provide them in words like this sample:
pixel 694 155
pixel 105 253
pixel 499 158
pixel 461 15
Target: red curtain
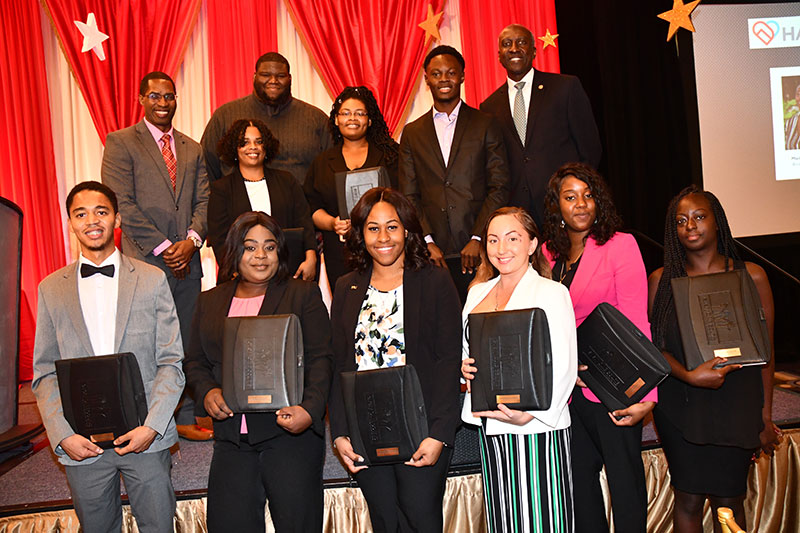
pixel 143 36
pixel 376 43
pixel 481 23
pixel 236 38
pixel 27 166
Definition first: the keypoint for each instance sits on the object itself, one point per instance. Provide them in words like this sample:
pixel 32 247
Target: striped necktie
pixel 520 113
pixel 169 159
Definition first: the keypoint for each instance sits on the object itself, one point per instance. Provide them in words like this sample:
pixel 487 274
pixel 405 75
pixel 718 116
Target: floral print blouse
pixel 380 341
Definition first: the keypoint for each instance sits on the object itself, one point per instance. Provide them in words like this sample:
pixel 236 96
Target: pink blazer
pixel 612 273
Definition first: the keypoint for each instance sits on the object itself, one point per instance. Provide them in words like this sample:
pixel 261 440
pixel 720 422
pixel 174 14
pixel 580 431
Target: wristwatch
pixel 197 242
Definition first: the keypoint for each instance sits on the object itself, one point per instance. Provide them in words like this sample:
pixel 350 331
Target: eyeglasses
pixel 156 97
pixel 347 114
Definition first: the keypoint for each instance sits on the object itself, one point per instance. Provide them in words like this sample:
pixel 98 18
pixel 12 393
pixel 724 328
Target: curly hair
pixel 487 271
pixel 675 257
pixel 416 251
pixel 378 133
pixel 228 146
pixel 607 222
pixel 234 244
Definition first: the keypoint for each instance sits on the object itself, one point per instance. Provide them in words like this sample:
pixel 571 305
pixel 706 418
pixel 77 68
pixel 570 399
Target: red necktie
pixel 169 159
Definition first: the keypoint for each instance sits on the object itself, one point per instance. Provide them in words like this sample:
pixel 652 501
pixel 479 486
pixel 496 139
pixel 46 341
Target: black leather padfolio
pixel 102 397
pixel 351 186
pixel 623 364
pixel 262 363
pixel 720 315
pixel 385 413
pixel 514 360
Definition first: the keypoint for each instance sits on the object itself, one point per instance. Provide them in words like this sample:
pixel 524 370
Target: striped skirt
pixel 527 482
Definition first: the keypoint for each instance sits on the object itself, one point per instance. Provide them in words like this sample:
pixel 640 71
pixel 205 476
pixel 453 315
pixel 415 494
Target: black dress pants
pixel 596 441
pixel 285 470
pixel 405 498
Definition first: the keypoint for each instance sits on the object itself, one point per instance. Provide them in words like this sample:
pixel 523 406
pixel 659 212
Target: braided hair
pixel 378 133
pixel 675 257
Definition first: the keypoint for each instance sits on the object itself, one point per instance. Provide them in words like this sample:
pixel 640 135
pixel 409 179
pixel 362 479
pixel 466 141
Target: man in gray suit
pixel 107 303
pixel 159 175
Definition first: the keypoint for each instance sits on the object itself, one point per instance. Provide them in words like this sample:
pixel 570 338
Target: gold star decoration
pixel 678 16
pixel 431 25
pixel 548 39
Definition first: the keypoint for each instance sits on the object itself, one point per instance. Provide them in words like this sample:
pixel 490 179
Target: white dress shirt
pixel 445 126
pixel 98 297
pixel 526 91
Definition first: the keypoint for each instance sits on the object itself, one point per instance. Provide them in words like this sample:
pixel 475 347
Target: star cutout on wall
pixel 548 39
pixel 92 37
pixel 431 25
pixel 678 16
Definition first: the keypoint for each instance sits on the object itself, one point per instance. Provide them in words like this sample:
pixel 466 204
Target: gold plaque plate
pixel 387 452
pixel 101 437
pixel 634 388
pixel 507 398
pixel 728 352
pixel 259 398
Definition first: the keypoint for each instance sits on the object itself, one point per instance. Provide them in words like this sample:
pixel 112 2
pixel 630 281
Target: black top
pixel 565 278
pixel 730 415
pixel 203 363
pixel 320 191
pixel 432 329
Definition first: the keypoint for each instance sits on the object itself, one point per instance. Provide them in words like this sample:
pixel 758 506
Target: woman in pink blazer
pixel 599 264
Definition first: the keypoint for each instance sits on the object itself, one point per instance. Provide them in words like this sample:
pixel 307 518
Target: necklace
pixel 254 181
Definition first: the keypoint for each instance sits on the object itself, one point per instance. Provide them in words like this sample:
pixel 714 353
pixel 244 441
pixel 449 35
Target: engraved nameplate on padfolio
pixel 351 186
pixel 262 363
pixel 102 397
pixel 514 360
pixel 623 364
pixel 385 412
pixel 720 315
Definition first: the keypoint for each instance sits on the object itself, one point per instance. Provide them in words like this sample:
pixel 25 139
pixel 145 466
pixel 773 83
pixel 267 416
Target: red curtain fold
pixel 236 38
pixel 481 23
pixel 27 166
pixel 143 36
pixel 376 43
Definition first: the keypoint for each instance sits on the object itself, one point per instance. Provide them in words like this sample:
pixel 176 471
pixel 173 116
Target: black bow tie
pixel 88 270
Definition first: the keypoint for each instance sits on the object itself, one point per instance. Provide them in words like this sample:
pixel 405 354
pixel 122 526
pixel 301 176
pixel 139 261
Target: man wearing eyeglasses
pixel 159 176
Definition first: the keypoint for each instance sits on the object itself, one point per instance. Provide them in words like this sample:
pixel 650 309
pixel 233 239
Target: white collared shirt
pixel 98 297
pixel 526 90
pixel 445 126
pixel 258 194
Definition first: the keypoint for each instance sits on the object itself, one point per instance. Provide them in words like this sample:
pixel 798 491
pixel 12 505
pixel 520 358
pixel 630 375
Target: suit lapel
pixel 504 113
pixel 586 269
pixel 354 297
pixel 430 138
pixel 150 146
pixel 412 300
pixel 239 199
pixel 537 101
pixel 272 299
pixel 180 156
pixel 128 278
pixel 462 123
pixel 73 308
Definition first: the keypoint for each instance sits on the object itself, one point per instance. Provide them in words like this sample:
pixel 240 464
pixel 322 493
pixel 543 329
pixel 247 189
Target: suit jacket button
pixel 176 208
pixel 527 159
pixel 443 210
pixel 448 183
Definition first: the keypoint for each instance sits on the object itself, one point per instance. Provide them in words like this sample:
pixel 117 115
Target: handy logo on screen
pixel 780 32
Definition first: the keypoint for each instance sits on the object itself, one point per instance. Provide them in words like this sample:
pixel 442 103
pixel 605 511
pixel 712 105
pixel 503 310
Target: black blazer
pixel 432 325
pixel 203 362
pixel 228 199
pixel 454 202
pixel 320 191
pixel 560 129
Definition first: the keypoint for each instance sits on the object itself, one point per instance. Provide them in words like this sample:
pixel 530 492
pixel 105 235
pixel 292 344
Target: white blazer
pixel 535 291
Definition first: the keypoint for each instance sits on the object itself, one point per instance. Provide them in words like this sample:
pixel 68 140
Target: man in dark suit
pixel 108 303
pixel 452 165
pixel 546 120
pixel 159 175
